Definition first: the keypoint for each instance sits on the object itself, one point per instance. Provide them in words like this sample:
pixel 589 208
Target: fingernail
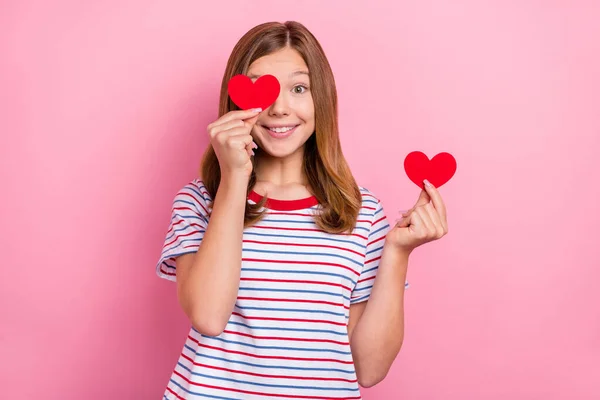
pixel 427 183
pixel 254 145
pixel 257 109
pixel 252 151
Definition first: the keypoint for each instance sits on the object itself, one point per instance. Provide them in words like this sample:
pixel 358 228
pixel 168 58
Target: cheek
pixel 255 133
pixel 307 112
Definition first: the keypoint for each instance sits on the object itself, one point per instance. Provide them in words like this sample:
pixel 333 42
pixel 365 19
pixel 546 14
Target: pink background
pixel 104 107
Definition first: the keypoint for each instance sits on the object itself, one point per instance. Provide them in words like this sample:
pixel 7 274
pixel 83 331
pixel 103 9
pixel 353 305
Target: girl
pixel 288 271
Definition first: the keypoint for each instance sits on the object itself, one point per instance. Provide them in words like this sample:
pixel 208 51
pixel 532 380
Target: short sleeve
pixel 189 219
pixel 376 239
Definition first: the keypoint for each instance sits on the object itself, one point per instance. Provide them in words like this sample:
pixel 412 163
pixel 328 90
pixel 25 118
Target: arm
pixel 208 280
pixel 376 327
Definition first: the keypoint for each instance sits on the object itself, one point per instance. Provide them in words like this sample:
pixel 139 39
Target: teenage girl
pixel 288 270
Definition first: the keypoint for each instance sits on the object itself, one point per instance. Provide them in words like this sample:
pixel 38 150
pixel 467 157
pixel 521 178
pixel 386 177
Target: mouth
pixel 280 132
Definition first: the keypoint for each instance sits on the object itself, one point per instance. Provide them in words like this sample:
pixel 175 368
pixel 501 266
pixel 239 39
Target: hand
pixel 232 142
pixel 424 222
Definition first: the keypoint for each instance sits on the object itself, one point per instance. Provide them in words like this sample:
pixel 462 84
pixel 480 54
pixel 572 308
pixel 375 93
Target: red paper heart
pixel 247 95
pixel 438 170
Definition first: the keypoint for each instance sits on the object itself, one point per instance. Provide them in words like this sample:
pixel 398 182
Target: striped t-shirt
pixel 287 337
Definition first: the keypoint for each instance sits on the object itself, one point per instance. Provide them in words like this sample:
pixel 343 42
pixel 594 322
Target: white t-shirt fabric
pixel 287 337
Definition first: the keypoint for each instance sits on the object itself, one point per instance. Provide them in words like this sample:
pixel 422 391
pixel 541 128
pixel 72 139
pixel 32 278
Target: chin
pixel 279 150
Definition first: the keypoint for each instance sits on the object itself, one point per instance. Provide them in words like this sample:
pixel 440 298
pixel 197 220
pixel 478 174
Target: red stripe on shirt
pixel 301 262
pixel 296 281
pixel 243 353
pixel 294 300
pixel 261 393
pixel 318 321
pixel 305 245
pixel 286 338
pixel 266 375
pixel 304 230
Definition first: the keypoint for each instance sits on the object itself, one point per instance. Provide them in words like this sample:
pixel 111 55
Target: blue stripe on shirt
pixel 344 371
pixel 266 384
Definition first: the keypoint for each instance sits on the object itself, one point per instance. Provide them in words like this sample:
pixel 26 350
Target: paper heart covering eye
pixel 260 94
pixel 438 170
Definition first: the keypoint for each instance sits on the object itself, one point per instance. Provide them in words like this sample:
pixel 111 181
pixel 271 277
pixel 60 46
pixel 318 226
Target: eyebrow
pixel 300 72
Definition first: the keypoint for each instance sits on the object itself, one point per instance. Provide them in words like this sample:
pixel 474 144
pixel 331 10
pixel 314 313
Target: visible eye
pixel 299 89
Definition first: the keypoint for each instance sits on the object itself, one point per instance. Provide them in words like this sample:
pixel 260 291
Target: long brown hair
pixel 328 173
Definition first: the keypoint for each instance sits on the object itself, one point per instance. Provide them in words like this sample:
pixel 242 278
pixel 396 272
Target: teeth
pixel 282 130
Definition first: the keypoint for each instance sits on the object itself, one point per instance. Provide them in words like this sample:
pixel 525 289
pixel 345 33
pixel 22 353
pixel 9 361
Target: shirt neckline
pixel 284 205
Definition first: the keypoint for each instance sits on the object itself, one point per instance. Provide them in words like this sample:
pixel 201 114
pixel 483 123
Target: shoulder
pixel 193 199
pixel 370 201
pixel 195 191
pixel 373 208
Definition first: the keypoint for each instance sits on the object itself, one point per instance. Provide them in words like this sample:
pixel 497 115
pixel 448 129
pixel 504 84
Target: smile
pixel 280 132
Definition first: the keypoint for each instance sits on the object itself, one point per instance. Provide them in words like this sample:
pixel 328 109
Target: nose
pixel 281 106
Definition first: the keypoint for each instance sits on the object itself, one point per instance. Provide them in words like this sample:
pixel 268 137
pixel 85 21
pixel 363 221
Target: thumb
pixel 423 199
pixel 250 122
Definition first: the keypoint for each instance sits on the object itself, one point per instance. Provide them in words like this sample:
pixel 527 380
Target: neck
pixel 279 171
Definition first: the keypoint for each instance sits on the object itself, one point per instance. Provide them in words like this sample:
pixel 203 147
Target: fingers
pixel 424 221
pixel 438 203
pixel 421 201
pixel 233 141
pixel 422 226
pixel 415 222
pixel 428 225
pixel 250 148
pixel 237 114
pixel 232 126
pixel 229 125
pixel 250 122
pixel 407 219
pixel 438 229
pixel 240 141
pixel 417 225
pixel 404 221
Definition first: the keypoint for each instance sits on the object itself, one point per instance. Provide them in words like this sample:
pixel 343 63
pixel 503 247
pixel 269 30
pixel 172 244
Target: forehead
pixel 281 64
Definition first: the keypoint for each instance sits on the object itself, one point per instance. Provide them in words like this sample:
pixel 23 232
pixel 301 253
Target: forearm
pixel 212 283
pixel 378 335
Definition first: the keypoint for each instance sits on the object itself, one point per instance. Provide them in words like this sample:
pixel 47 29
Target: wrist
pixel 395 259
pixel 398 250
pixel 234 179
pixel 233 190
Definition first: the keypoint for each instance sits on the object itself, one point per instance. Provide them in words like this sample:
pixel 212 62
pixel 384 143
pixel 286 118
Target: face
pixel 282 129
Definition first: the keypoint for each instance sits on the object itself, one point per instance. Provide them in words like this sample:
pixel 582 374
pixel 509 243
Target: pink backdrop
pixel 103 113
